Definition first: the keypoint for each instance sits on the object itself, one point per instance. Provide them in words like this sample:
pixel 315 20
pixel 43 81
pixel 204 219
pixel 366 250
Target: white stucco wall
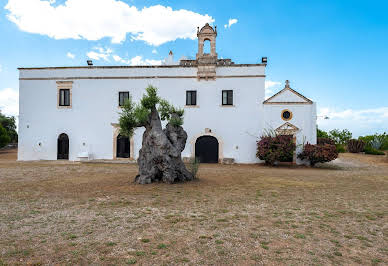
pixel 303 117
pixel 95 107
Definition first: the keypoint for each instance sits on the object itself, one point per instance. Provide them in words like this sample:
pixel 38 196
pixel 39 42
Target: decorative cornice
pixel 64 79
pixel 125 67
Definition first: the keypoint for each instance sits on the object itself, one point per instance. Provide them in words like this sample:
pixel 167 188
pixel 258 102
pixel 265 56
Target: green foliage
pixel 322 134
pixel 137 115
pixel 194 166
pixel 150 99
pixel 170 113
pixel 4 138
pixel 355 146
pixel 318 153
pixel 9 124
pixel 376 141
pixel 176 121
pixel 370 150
pixel 340 148
pixel 340 136
pixel 131 117
pixel 274 149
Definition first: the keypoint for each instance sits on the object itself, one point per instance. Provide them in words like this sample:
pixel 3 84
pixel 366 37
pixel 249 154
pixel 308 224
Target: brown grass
pixel 71 213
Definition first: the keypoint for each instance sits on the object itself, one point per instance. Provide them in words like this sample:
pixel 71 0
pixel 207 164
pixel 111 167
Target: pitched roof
pixel 287 129
pixel 302 99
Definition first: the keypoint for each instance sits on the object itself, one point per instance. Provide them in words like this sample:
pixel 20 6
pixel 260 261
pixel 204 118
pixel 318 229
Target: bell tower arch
pixel 206 61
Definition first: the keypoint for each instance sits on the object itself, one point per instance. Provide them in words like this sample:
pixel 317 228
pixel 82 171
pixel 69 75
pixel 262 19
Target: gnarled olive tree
pixel 160 155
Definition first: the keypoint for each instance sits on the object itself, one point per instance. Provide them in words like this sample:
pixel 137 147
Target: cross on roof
pixel 287 83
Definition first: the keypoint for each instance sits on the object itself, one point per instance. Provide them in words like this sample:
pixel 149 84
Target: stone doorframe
pixel 208 133
pixel 116 132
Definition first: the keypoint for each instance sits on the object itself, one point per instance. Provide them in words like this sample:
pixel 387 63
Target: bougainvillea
pixel 318 153
pixel 356 146
pixel 274 149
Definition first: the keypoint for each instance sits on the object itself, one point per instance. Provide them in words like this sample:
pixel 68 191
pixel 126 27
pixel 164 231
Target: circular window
pixel 286 115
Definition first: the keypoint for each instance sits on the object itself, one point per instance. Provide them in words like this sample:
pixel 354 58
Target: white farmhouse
pixel 72 112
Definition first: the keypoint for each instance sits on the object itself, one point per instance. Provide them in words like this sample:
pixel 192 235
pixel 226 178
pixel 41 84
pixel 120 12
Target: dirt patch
pixel 72 213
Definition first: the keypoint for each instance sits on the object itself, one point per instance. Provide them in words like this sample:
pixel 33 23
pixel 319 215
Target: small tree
pixel 160 155
pixel 9 124
pixel 322 133
pixel 340 136
pixel 4 138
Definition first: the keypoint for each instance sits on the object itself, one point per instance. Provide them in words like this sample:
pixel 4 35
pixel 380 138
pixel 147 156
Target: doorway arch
pixel 207 149
pixel 63 147
pixel 123 147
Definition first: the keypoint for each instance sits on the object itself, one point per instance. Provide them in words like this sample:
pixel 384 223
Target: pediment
pixel 288 96
pixel 287 129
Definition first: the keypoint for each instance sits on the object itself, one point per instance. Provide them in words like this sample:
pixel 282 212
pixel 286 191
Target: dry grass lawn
pixel 72 213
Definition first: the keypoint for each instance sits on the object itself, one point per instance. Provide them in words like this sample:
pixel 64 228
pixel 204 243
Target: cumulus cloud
pixel 360 122
pixel 270 87
pixel 96 19
pixel 230 23
pixel 100 53
pixel 9 101
pixel 136 61
pixel 154 51
pixel 70 55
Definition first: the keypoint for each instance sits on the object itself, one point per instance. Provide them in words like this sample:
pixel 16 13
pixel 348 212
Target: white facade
pixel 91 120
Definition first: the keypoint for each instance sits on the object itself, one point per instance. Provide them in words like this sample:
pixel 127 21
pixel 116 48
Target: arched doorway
pixel 123 147
pixel 206 149
pixel 63 147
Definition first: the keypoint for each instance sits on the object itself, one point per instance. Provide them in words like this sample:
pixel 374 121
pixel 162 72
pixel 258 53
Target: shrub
pixel 356 146
pixel 4 138
pixel 323 141
pixel 376 141
pixel 194 166
pixel 370 150
pixel 318 153
pixel 340 148
pixel 274 149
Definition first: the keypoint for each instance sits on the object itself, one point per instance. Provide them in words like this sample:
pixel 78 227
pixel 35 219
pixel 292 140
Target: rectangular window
pixel 123 96
pixel 64 97
pixel 191 97
pixel 227 97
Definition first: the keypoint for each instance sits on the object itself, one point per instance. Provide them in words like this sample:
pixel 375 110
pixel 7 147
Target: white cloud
pixel 1 68
pixel 360 122
pixel 270 87
pixel 100 53
pixel 70 55
pixel 96 19
pixel 137 61
pixel 154 51
pixel 9 101
pixel 230 23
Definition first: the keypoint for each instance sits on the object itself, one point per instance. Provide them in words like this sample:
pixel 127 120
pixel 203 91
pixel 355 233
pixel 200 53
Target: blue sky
pixel 334 52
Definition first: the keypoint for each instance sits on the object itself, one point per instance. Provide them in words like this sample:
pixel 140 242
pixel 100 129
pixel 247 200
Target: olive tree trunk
pixel 160 155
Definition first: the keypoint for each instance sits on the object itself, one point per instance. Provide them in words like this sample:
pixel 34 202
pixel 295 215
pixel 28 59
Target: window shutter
pixel 194 98
pixel 230 97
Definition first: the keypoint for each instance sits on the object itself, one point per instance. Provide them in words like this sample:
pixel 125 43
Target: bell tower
pixel 207 62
